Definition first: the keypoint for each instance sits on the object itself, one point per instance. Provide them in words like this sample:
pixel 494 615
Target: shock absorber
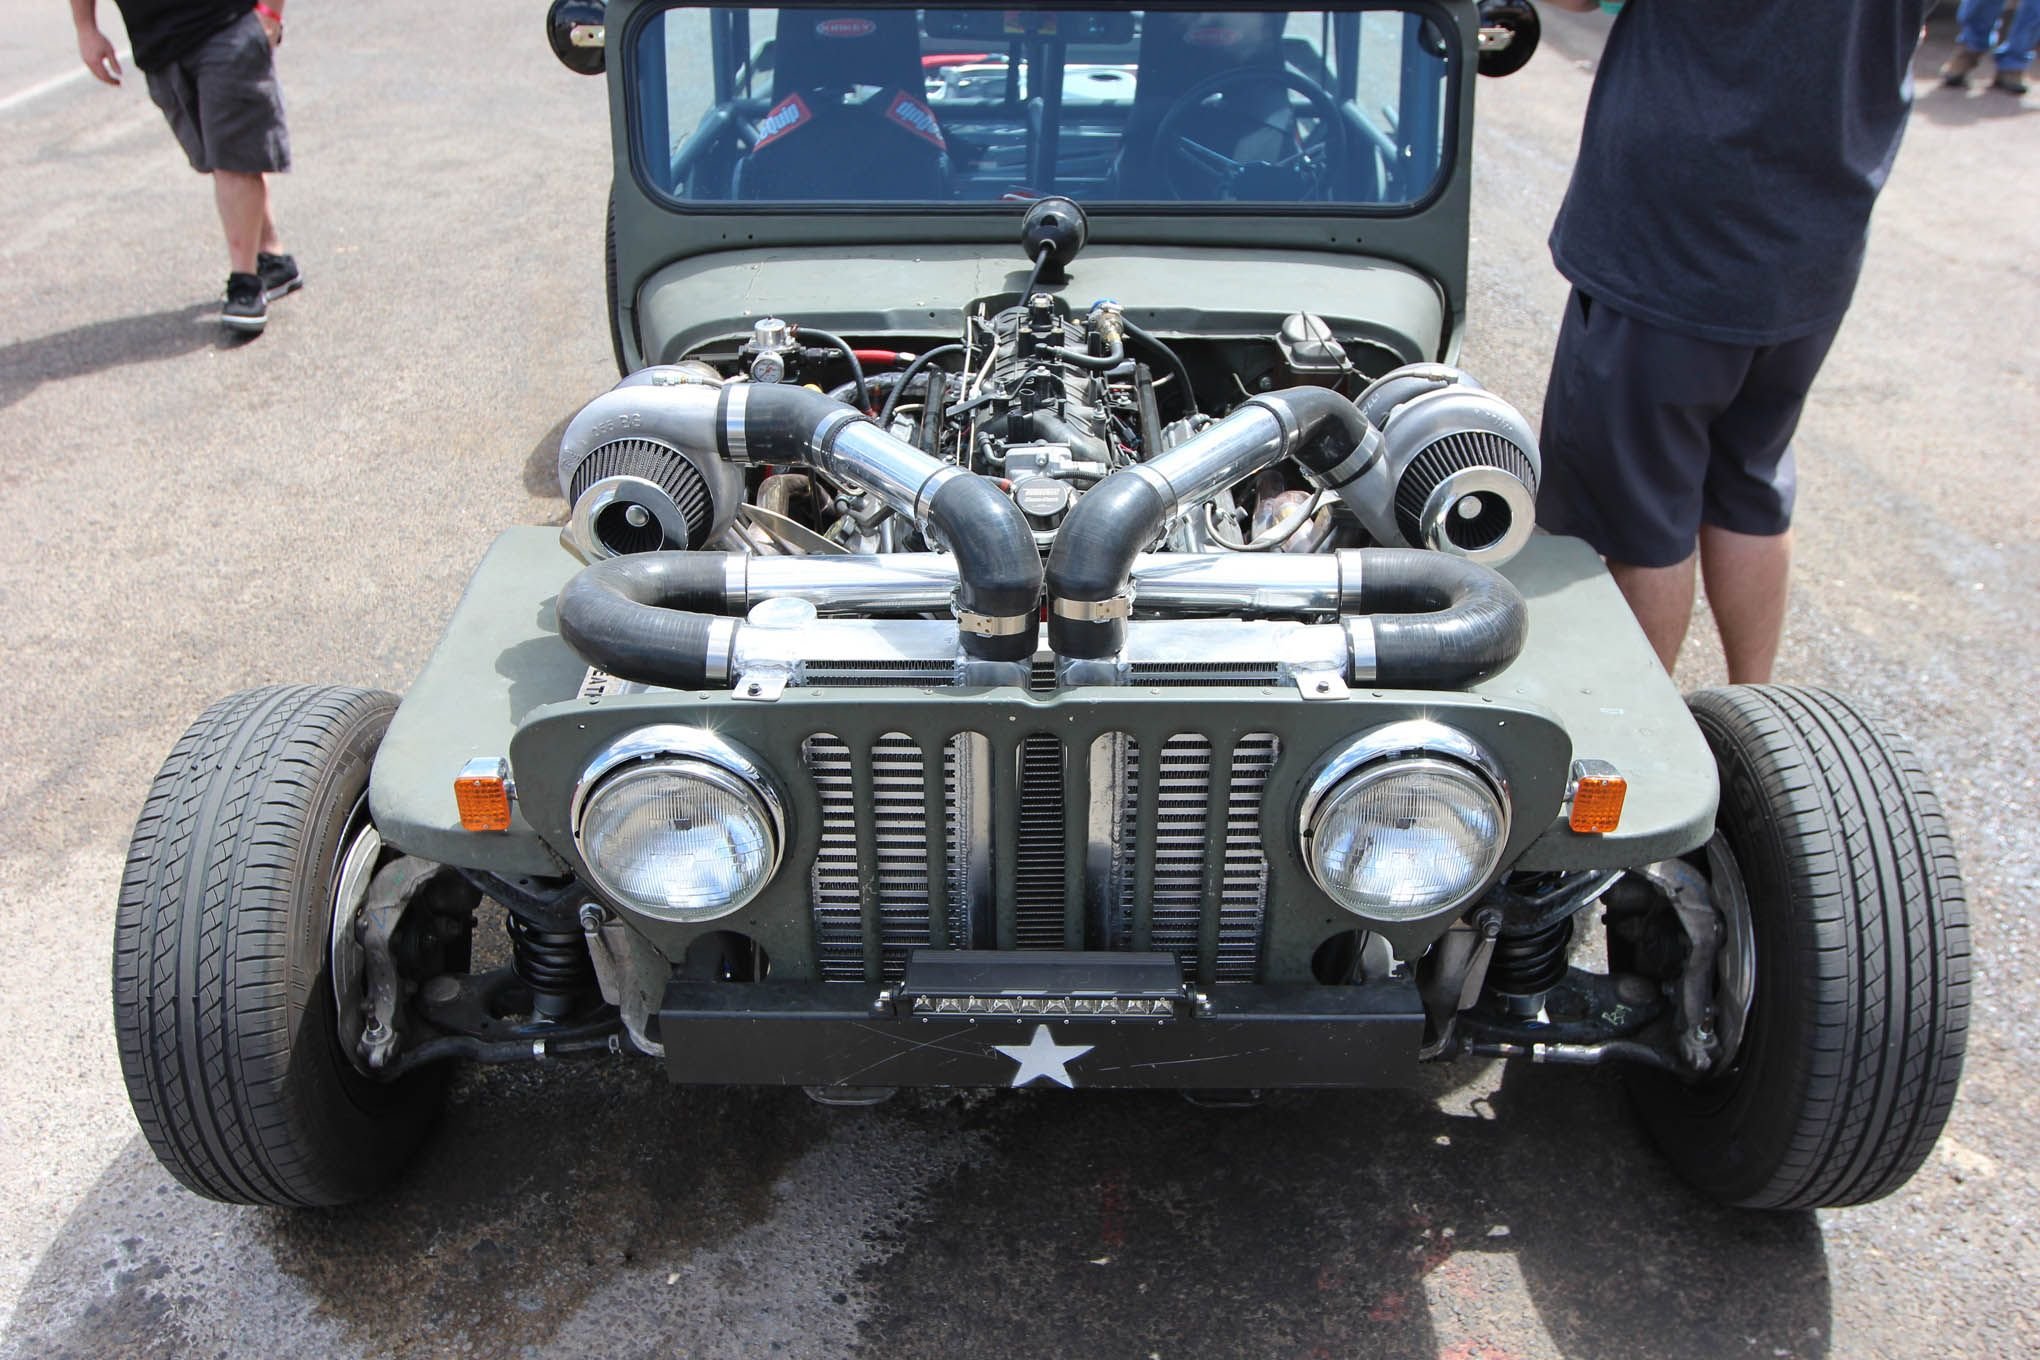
pixel 1529 964
pixel 554 964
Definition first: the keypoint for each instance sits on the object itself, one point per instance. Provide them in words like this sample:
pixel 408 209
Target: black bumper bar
pixel 1040 1020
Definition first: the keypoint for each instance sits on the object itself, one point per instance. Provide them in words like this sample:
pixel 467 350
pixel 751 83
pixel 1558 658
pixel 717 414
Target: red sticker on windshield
pixel 846 28
pixel 788 114
pixel 916 117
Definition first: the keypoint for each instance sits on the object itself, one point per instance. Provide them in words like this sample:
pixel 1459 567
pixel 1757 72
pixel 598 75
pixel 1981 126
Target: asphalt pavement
pixel 187 515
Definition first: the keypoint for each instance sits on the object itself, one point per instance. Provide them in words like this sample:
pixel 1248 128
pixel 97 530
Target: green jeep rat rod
pixel 1042 611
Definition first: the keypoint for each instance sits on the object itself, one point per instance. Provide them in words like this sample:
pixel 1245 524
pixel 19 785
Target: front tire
pixel 222 995
pixel 1848 1064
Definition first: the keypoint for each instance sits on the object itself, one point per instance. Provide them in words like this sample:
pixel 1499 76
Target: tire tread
pixel 205 994
pixel 1880 941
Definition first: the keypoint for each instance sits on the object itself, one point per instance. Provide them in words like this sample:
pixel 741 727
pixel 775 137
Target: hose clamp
pixel 823 437
pixel 722 644
pixel 735 397
pixel 1288 431
pixel 924 495
pixel 1363 661
pixel 992 625
pixel 1350 563
pixel 1108 610
pixel 1354 465
pixel 737 581
pixel 1157 481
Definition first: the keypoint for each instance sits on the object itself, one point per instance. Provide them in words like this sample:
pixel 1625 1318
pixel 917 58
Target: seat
pixel 848 120
pixel 1180 50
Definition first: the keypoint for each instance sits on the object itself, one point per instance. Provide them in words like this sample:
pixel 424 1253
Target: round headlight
pixel 679 838
pixel 1404 838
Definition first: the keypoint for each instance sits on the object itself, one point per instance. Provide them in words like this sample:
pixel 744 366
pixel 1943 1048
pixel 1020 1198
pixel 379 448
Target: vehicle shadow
pixel 542 464
pixel 83 350
pixel 593 1209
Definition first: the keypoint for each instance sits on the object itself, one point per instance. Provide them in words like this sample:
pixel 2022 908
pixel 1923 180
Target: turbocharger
pixel 1458 468
pixel 640 470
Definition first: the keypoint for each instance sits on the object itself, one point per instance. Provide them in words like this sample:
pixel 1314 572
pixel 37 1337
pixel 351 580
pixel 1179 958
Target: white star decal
pixel 1042 1056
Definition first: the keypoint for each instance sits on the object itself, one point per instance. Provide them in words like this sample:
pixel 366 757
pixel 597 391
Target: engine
pixel 1049 417
pixel 1053 461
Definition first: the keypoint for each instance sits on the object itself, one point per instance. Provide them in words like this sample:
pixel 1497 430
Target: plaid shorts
pixel 224 104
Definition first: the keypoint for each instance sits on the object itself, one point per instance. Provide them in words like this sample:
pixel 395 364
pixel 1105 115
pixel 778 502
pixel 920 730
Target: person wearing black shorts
pixel 211 69
pixel 1713 233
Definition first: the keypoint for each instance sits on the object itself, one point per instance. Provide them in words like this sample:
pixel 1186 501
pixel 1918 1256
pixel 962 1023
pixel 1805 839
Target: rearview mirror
pixel 1509 30
pixel 576 32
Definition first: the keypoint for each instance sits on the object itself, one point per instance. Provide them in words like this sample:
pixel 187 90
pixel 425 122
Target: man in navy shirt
pixel 1713 233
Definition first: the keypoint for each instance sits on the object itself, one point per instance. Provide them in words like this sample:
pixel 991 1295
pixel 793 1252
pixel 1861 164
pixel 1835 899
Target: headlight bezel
pixel 719 761
pixel 1397 745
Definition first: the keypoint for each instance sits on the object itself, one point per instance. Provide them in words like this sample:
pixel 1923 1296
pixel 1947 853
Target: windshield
pixel 976 106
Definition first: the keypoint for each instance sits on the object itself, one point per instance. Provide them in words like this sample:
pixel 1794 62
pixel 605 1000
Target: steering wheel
pixel 1193 170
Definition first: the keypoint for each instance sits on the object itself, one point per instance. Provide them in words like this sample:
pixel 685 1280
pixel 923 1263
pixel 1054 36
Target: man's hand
pixel 271 17
pixel 98 55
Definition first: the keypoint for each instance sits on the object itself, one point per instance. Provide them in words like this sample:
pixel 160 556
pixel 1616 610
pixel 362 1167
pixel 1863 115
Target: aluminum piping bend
pixel 1090 568
pixel 998 566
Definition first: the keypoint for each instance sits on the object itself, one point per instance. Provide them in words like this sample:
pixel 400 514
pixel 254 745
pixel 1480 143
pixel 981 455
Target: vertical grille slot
pixel 1038 871
pixel 869 911
pixel 1184 774
pixel 1243 894
pixel 897 779
pixel 967 858
pixel 839 937
pixel 1186 850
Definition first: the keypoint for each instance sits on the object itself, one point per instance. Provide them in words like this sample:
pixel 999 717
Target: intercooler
pixel 1167 848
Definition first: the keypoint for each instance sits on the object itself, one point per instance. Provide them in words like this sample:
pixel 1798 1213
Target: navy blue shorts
pixel 1649 434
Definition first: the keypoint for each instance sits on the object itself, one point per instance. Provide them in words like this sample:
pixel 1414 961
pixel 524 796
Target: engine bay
pixel 1256 467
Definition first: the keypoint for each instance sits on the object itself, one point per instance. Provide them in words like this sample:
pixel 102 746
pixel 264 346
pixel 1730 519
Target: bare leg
pixel 1662 600
pixel 243 201
pixel 271 243
pixel 1746 576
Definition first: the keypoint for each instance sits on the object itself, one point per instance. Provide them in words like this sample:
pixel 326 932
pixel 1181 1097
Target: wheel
pixel 1858 1010
pixel 222 999
pixel 1304 173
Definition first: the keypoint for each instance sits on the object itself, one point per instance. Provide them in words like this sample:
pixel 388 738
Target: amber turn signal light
pixel 1597 794
pixel 482 793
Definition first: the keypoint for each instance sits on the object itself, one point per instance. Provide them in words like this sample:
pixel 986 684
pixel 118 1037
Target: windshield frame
pixel 628 93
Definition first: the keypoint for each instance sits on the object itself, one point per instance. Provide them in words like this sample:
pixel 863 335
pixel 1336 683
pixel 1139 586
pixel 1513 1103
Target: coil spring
pixel 554 964
pixel 1527 965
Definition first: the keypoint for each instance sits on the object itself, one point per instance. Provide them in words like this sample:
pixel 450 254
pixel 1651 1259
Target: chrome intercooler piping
pixel 1401 617
pixel 1163 583
pixel 663 618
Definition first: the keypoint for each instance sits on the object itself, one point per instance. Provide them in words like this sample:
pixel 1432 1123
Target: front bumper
pixel 1070 1020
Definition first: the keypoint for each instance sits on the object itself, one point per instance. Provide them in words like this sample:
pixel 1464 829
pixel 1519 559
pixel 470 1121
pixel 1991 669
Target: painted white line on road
pixel 41 88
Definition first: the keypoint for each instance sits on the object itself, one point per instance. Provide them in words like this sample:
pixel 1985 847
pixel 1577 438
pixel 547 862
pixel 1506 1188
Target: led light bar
pixel 1086 1007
